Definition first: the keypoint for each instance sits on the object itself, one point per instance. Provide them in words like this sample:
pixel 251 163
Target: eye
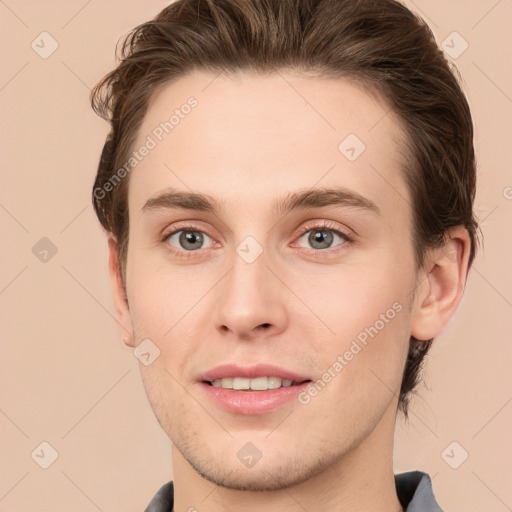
pixel 189 238
pixel 323 236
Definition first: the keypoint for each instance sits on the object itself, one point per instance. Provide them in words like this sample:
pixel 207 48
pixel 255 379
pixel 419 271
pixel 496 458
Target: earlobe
pixel 121 308
pixel 442 285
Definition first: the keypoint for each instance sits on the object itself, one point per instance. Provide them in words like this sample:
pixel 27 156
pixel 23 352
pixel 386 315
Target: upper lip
pixel 250 372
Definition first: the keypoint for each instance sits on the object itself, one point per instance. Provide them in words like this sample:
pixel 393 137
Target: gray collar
pixel 414 490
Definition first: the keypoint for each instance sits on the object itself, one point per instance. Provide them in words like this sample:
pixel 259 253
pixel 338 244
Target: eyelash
pixel 320 226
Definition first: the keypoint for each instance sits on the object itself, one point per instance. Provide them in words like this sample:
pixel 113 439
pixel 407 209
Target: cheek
pixel 161 301
pixel 362 364
pixel 351 298
pixel 167 310
pixel 362 327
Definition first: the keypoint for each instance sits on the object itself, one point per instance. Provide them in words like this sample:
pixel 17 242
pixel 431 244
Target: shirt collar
pixel 414 490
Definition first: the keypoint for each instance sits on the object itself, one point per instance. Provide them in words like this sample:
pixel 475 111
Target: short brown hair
pixel 378 42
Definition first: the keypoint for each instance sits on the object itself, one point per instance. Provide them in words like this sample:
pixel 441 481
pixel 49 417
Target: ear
pixel 441 285
pixel 122 311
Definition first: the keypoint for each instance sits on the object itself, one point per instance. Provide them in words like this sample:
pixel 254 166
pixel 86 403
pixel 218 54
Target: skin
pixel 253 139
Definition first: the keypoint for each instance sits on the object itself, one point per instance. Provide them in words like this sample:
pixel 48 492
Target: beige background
pixel 66 376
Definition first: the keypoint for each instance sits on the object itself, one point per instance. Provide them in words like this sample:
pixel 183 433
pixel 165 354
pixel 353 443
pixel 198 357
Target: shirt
pixel 414 490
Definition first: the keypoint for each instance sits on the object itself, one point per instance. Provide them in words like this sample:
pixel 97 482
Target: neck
pixel 362 480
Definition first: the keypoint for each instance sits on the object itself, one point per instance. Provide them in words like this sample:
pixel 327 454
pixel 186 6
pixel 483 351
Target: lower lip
pixel 252 402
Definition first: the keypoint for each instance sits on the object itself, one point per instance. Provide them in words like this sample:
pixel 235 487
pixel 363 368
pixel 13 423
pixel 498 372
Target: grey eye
pixel 188 240
pixel 321 238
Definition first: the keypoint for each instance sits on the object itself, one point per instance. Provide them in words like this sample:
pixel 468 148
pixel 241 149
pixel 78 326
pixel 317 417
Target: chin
pixel 263 476
pixel 262 480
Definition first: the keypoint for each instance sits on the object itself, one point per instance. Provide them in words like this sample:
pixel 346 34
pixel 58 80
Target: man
pixel 288 193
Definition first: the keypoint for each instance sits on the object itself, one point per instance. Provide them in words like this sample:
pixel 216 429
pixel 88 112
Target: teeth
pixel 257 384
pixel 241 383
pixel 274 382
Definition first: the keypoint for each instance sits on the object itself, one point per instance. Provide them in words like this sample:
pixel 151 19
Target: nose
pixel 250 300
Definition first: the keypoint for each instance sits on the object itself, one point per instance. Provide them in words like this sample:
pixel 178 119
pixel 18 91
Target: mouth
pixel 254 384
pixel 252 390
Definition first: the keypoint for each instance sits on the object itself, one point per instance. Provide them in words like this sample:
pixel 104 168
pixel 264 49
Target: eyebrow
pixel 299 200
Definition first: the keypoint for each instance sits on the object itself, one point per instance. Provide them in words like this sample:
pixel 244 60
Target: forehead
pixel 252 137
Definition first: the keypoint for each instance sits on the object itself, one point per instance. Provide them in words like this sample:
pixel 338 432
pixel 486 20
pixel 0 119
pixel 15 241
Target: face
pixel 272 270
